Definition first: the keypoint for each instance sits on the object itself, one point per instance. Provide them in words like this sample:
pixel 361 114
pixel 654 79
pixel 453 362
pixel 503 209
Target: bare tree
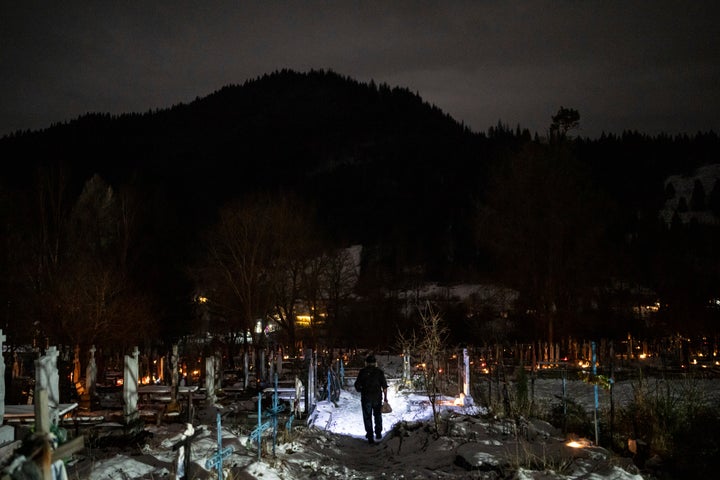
pixel 430 343
pixel 239 249
pixel 258 252
pixel 83 287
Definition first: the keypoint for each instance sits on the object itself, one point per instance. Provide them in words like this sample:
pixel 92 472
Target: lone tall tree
pixel 563 121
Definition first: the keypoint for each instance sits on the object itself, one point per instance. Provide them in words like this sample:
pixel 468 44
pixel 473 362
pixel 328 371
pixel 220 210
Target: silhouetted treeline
pixel 381 168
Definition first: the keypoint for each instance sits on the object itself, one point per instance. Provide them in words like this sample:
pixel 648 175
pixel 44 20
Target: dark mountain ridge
pixel 381 166
pixel 364 155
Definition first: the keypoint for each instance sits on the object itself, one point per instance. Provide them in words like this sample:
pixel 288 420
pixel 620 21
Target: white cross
pixel 52 352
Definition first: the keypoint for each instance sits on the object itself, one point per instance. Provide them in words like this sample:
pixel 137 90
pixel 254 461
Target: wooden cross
pixel 185 442
pixel 221 454
pixel 42 429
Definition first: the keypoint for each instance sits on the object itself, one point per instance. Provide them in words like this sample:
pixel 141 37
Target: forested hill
pixel 381 166
pixel 561 219
pixel 368 156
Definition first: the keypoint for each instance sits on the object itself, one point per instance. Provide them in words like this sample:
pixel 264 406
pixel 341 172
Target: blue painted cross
pixel 273 412
pixel 222 453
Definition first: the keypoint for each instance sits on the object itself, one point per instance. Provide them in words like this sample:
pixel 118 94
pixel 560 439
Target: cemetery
pixel 80 400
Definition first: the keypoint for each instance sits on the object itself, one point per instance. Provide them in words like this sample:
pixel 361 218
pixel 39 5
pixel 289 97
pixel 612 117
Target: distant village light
pixel 303 320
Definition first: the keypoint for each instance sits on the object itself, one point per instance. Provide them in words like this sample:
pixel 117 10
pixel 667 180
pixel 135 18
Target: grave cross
pixel 273 412
pixel 130 387
pixel 216 460
pixel 91 374
pixel 2 377
pixel 183 445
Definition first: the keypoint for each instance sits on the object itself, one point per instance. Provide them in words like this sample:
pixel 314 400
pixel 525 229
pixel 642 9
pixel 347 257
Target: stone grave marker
pixel 47 378
pixel 130 387
pixel 466 396
pixel 210 378
pixel 16 370
pixel 91 374
pixel 218 370
pixel 76 365
pixel 174 405
pixel 7 433
pixel 2 377
pixel 407 372
pixel 246 371
pixel 279 361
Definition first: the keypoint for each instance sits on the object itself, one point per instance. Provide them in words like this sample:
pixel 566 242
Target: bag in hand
pixel 386 408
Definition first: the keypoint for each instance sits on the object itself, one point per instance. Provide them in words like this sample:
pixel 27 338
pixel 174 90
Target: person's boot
pixel 378 436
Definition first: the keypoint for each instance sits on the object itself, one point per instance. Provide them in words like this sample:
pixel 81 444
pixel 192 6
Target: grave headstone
pixel 7 433
pixel 16 371
pixel 210 379
pixel 279 361
pixel 466 374
pixel 174 405
pixel 298 392
pixel 161 369
pixel 91 374
pixel 407 373
pixel 218 371
pixel 312 372
pixel 130 387
pixel 2 377
pixel 48 379
pixel 246 371
pixel 76 365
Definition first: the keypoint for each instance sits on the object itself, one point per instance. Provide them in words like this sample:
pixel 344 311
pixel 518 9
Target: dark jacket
pixel 371 382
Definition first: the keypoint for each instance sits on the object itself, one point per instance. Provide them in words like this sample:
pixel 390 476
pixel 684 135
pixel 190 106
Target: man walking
pixel 372 385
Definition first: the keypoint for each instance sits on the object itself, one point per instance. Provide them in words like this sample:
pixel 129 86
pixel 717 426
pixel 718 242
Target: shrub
pixel 677 422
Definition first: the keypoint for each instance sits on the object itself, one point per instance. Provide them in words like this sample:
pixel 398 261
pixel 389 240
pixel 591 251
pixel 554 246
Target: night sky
pixel 651 66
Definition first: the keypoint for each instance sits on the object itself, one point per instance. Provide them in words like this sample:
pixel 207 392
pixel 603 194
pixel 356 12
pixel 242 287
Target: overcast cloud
pixel 650 66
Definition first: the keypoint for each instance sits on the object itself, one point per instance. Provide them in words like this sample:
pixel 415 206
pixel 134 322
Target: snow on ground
pixel 331 443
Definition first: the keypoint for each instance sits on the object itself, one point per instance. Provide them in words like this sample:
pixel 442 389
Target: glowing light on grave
pixel 578 443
